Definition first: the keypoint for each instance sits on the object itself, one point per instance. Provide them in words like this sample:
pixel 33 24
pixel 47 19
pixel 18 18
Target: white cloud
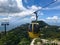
pixel 35 7
pixel 22 13
pixel 28 12
pixel 58 0
pixel 5 19
pixel 33 18
pixel 53 18
pixel 2 1
pixel 8 6
pixel 25 12
pixel 20 5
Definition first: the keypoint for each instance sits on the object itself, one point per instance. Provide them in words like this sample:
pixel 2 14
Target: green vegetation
pixel 51 32
pixel 15 36
pixel 19 35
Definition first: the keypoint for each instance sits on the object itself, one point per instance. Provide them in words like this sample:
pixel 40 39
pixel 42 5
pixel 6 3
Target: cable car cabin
pixel 33 30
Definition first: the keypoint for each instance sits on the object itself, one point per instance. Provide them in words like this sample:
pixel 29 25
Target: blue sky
pixel 17 12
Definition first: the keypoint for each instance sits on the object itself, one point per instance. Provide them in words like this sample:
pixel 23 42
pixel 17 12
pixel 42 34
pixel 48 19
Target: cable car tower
pixel 5 26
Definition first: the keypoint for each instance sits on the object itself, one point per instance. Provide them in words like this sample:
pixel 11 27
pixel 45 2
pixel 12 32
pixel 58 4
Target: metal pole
pixel 0 35
pixel 5 29
pixel 36 16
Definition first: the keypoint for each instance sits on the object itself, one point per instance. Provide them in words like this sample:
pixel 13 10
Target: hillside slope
pixel 19 35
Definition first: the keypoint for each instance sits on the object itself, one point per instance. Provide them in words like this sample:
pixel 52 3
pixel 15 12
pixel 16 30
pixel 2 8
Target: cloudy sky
pixel 17 12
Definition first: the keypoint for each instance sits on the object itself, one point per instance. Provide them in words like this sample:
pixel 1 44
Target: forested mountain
pixel 19 35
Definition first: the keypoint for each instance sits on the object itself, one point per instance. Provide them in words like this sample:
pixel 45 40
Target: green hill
pixel 41 23
pixel 19 35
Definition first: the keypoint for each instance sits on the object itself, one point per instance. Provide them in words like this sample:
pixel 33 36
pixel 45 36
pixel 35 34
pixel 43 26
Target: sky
pixel 18 12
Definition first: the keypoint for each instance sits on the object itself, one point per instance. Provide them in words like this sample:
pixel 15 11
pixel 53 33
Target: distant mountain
pixel 42 23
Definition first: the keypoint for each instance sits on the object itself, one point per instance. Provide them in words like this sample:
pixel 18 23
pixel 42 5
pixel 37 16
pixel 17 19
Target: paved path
pixel 33 41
